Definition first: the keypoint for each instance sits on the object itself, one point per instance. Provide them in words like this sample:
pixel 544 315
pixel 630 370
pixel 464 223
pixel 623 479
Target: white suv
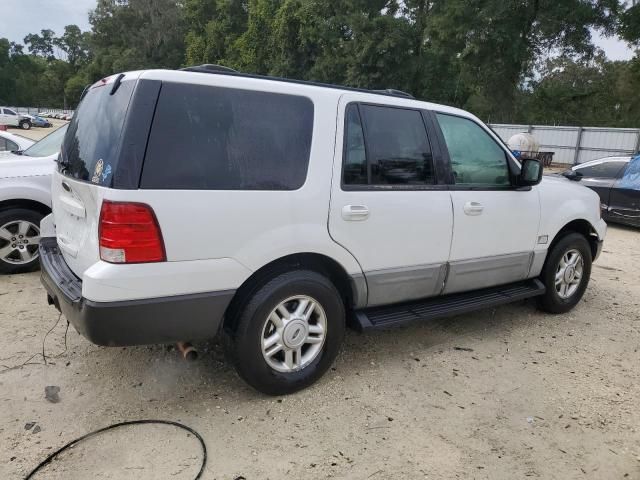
pixel 188 203
pixel 10 117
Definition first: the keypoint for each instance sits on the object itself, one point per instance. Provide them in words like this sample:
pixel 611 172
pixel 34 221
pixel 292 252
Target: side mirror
pixel 530 173
pixel 572 175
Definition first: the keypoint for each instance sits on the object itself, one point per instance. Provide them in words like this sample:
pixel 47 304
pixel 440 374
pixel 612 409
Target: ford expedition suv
pixel 193 203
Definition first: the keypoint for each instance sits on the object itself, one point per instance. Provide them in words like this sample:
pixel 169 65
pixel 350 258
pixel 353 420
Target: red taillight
pixel 129 233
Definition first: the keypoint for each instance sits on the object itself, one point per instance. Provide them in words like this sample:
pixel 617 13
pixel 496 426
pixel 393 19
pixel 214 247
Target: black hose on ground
pixel 72 443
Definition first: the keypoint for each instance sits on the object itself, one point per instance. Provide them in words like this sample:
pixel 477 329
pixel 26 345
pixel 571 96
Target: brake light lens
pixel 129 233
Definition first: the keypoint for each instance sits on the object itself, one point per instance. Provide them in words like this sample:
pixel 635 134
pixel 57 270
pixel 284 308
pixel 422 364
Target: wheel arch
pixel 25 203
pixel 327 266
pixel 583 227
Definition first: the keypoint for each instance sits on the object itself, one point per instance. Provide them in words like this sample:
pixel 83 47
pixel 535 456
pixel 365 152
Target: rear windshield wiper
pixel 63 164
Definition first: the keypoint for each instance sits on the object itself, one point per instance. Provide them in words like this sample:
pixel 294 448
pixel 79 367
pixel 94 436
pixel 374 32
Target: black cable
pixel 6 368
pixel 72 443
pixel 44 357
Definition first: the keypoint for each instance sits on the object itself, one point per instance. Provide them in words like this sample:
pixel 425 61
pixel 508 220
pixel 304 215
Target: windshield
pixel 91 145
pixel 49 145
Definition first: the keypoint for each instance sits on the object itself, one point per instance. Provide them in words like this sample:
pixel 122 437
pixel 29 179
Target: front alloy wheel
pixel 569 273
pixel 19 242
pixel 565 273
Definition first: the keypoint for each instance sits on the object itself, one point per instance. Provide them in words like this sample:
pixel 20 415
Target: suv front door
pixel 495 224
pixel 388 208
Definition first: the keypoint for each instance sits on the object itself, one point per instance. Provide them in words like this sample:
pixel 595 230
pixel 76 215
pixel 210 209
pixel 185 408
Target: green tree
pixel 74 44
pixel 41 44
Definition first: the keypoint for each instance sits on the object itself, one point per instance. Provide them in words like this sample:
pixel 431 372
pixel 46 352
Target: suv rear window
pixel 214 138
pixel 90 147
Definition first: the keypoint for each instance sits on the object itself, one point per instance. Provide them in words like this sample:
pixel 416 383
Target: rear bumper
pixel 131 322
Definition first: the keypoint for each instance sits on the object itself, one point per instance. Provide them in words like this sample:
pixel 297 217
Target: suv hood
pixel 12 165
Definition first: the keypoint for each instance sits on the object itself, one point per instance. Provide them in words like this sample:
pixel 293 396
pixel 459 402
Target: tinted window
pixel 397 148
pixel 9 112
pixel 355 160
pixel 90 148
pixel 3 145
pixel 11 146
pixel 49 145
pixel 603 170
pixel 476 158
pixel 228 139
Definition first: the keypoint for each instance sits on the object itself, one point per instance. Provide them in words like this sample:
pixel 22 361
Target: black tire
pixel 551 301
pixel 25 125
pixel 244 342
pixel 12 215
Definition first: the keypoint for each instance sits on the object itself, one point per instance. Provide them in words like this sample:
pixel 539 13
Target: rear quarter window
pixel 214 138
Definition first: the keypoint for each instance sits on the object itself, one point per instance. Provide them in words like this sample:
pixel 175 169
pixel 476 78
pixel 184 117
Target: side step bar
pixel 449 305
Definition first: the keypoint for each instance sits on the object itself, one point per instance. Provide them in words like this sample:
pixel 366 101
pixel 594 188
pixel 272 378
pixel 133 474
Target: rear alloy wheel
pixel 288 333
pixel 293 334
pixel 19 239
pixel 566 274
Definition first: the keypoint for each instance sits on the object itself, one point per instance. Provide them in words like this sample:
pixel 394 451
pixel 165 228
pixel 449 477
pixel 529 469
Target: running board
pixel 449 305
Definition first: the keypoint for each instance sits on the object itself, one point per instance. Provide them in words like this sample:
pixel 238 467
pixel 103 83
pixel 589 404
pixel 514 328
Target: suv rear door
pixel 87 166
pixel 388 207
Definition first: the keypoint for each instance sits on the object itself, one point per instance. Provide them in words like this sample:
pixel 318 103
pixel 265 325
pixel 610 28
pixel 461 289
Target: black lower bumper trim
pixel 599 245
pixel 132 322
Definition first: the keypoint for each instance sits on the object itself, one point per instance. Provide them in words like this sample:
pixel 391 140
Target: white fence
pixel 573 145
pixel 37 110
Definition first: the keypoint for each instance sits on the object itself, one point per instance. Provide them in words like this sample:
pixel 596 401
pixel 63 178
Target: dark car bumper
pixel 132 322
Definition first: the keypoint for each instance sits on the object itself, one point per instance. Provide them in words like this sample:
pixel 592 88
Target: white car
pixel 10 117
pixel 25 198
pixel 13 143
pixel 189 203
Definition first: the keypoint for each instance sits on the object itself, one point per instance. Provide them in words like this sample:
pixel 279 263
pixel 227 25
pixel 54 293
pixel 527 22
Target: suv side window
pixel 214 138
pixel 476 158
pixel 604 170
pixel 8 145
pixel 386 146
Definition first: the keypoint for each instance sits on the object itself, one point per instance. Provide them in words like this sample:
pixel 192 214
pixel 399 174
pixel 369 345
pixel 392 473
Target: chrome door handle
pixel 355 212
pixel 473 208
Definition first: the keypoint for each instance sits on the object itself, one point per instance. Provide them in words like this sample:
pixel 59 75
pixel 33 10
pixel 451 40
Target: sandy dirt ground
pixel 500 394
pixel 38 133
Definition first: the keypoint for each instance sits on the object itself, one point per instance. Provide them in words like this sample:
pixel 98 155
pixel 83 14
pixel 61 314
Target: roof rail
pixel 394 93
pixel 209 68
pixel 222 70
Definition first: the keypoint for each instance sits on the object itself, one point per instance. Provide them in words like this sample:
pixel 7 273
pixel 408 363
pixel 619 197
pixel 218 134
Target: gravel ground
pixel 499 394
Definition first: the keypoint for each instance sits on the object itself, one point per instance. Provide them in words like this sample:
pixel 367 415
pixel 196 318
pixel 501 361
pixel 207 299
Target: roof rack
pixel 222 70
pixel 209 68
pixel 394 93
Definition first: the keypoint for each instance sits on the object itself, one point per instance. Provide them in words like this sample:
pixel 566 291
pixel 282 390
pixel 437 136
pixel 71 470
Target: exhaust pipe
pixel 187 351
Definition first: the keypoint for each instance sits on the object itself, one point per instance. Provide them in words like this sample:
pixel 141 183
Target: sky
pixel 20 17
